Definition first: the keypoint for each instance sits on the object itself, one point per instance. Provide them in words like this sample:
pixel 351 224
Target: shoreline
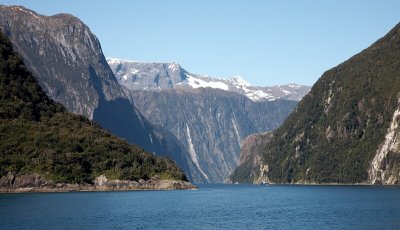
pixel 35 183
pixel 317 184
pixel 45 190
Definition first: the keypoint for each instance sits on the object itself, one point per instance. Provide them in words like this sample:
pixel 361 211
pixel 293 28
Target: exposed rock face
pixel 66 57
pixel 381 171
pixel 210 123
pixel 210 116
pixel 346 130
pixel 251 144
pixel 250 166
pixel 68 61
pixel 143 76
pixel 101 183
pixel 36 183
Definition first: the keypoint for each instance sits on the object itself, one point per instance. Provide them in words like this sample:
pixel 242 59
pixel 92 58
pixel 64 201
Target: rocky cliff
pixel 68 61
pixel 210 116
pixel 251 149
pixel 64 55
pixel 211 123
pixel 42 145
pixel 346 129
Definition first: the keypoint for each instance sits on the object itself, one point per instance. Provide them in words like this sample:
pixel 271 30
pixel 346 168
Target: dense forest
pixel 38 135
pixel 336 130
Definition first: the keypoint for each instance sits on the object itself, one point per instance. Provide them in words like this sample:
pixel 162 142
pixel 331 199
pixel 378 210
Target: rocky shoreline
pixel 36 183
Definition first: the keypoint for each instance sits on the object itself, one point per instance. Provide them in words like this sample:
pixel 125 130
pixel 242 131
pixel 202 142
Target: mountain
pixel 346 130
pixel 251 149
pixel 42 145
pixel 209 116
pixel 201 135
pixel 211 123
pixel 65 55
pixel 70 66
pixel 159 76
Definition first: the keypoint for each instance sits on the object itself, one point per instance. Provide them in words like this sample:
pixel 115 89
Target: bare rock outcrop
pixel 37 183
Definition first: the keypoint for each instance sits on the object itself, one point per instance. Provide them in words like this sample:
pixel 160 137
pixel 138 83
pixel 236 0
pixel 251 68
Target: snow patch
pixel 238 81
pixel 174 66
pixel 198 83
pixel 286 92
pixel 259 95
pixel 294 86
pixel 113 61
pixel 134 71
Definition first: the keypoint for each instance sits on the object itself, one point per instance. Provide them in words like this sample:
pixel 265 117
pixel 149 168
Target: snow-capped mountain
pixel 210 116
pixel 158 76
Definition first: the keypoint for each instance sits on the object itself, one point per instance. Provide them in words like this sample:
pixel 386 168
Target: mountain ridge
pixel 44 147
pixel 209 116
pixel 135 75
pixel 345 130
pixel 70 66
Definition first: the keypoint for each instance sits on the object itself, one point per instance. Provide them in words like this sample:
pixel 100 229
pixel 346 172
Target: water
pixel 210 207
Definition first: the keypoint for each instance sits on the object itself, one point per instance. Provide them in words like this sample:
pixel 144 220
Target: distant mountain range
pixel 209 116
pixel 160 76
pixel 346 130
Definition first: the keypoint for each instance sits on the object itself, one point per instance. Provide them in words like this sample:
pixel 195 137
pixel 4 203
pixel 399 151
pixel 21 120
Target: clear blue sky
pixel 266 42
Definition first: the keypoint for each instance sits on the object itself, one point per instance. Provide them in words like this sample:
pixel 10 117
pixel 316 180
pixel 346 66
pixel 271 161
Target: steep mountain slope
pixel 251 149
pixel 65 53
pixel 38 136
pixel 70 66
pixel 346 130
pixel 209 116
pixel 211 123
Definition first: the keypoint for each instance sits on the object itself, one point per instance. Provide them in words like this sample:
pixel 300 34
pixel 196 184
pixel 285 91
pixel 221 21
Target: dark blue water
pixel 210 207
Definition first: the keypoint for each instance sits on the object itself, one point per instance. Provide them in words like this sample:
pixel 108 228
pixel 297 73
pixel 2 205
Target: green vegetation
pixel 252 147
pixel 335 131
pixel 40 136
pixel 245 172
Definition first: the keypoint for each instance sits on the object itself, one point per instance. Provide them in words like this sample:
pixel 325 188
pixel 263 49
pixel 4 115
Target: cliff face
pixel 68 61
pixel 251 149
pixel 209 116
pixel 43 145
pixel 346 129
pixel 65 56
pixel 210 123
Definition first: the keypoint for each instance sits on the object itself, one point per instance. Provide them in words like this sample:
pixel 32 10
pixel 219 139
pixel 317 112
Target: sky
pixel 266 42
